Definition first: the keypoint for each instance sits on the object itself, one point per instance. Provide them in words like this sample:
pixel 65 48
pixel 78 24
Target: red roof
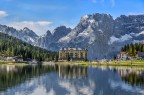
pixel 122 52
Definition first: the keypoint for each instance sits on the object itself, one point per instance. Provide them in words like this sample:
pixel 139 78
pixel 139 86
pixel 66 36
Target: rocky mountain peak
pixel 48 33
pixel 61 31
pixel 28 32
pixel 61 28
pixel 26 29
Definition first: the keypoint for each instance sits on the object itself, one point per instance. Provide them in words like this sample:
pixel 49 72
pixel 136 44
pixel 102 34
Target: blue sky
pixel 41 15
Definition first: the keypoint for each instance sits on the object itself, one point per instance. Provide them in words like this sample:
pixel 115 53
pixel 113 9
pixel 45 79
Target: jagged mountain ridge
pixel 50 39
pixel 25 34
pixel 102 35
pixel 93 32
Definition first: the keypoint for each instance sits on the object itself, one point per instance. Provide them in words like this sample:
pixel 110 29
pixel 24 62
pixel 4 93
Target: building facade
pixel 72 54
pixel 140 55
pixel 122 56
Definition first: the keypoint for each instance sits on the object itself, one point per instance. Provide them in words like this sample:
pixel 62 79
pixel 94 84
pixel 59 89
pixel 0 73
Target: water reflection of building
pixel 8 68
pixel 72 71
pixel 133 77
pixel 125 72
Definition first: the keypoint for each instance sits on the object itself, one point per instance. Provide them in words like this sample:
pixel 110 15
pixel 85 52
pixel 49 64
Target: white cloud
pixel 39 27
pixel 3 14
pixel 136 13
pixel 102 1
pixel 43 23
pixel 112 2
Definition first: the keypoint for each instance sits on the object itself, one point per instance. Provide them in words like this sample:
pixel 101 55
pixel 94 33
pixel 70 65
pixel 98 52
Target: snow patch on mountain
pixel 141 33
pixel 85 17
pixel 92 21
pixel 121 39
pixel 65 39
pixel 92 38
pixel 113 39
pixel 125 37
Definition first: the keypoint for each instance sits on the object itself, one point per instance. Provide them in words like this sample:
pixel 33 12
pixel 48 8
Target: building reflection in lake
pixel 133 77
pixel 8 68
pixel 72 71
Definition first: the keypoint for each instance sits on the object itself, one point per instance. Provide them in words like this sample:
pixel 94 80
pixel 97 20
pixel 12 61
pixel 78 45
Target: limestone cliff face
pixel 93 32
pixel 103 36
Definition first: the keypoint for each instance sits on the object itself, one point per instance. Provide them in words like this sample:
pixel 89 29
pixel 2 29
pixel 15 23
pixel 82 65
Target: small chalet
pixel 122 56
pixel 140 55
pixel 18 59
pixel 11 59
pixel 2 57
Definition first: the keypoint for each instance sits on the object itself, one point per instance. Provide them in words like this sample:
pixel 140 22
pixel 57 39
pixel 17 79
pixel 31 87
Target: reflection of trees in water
pixel 12 76
pixel 133 77
pixel 72 71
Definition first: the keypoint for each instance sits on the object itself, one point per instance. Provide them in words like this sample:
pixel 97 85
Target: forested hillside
pixel 11 46
pixel 133 49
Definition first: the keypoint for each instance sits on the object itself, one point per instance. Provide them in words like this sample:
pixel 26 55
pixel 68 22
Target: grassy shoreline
pixel 123 64
pixel 112 63
pixel 133 63
pixel 14 63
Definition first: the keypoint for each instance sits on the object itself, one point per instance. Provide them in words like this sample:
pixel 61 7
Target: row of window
pixel 73 54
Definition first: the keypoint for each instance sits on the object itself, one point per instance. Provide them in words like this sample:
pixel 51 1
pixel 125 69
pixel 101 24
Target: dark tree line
pixel 133 48
pixel 11 46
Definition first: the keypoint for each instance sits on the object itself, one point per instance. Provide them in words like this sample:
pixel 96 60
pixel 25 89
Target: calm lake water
pixel 70 80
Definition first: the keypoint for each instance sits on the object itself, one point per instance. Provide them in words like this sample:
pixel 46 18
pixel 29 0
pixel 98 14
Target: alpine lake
pixel 70 80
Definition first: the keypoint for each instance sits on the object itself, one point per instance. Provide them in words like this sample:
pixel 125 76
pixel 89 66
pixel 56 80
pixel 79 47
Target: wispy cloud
pixel 39 7
pixel 102 1
pixel 8 0
pixel 112 2
pixel 136 13
pixel 96 1
pixel 39 27
pixel 3 14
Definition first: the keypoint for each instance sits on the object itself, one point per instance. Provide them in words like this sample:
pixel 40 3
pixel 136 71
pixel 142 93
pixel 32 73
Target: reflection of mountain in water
pixel 64 80
pixel 11 76
pixel 72 71
pixel 133 77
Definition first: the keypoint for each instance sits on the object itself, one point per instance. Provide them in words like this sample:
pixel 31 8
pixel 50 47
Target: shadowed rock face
pixel 49 40
pixel 99 33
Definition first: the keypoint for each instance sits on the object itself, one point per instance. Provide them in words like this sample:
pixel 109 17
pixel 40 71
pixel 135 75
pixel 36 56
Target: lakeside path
pixel 134 63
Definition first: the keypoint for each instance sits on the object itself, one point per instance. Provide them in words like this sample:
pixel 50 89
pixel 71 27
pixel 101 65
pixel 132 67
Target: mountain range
pixel 101 34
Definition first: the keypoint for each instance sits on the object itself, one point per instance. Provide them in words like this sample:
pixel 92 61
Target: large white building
pixel 73 54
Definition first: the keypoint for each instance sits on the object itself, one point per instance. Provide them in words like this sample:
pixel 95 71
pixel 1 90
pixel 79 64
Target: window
pixel 71 55
pixel 81 55
pixel 76 55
